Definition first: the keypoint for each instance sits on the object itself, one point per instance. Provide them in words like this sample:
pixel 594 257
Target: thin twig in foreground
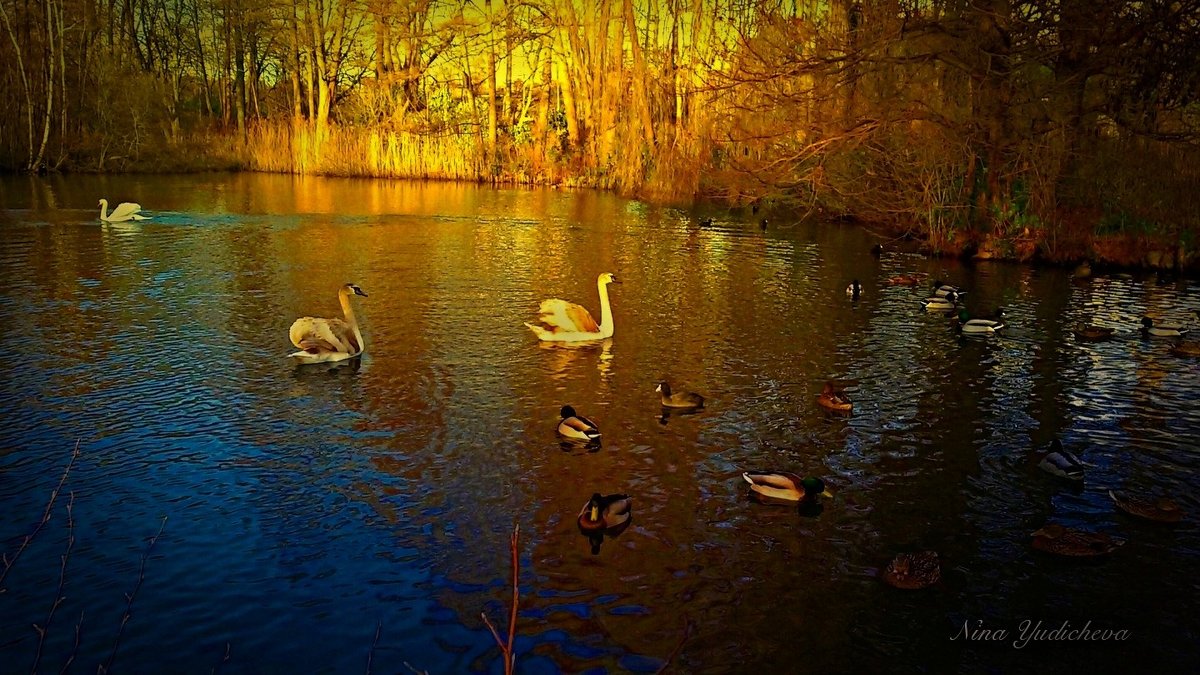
pixel 687 632
pixel 62 582
pixel 74 649
pixel 506 648
pixel 374 643
pixel 104 667
pixel 9 562
pixel 224 659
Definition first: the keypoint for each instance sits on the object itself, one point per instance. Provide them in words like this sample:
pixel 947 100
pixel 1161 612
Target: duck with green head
pixel 604 515
pixel 1059 462
pixel 981 326
pixel 786 486
pixel 941 303
pixel 604 512
pixel 576 426
pixel 942 290
pixel 1161 330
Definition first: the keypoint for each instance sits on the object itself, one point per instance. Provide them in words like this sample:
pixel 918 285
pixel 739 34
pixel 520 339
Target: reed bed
pixel 353 151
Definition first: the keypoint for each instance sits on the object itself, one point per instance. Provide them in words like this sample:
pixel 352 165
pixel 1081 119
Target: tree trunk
pixel 542 128
pixel 491 83
pixel 294 67
pixel 568 101
pixel 239 90
pixel 641 104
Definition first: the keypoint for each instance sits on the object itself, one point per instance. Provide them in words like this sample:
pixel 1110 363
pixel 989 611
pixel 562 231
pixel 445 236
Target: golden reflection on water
pixel 443 433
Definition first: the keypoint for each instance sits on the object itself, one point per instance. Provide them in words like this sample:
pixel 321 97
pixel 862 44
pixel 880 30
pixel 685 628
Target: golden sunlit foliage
pixel 999 125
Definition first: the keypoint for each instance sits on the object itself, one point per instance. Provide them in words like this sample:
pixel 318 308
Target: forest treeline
pixel 1006 127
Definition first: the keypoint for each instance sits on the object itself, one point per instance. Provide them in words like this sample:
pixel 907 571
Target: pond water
pixel 317 517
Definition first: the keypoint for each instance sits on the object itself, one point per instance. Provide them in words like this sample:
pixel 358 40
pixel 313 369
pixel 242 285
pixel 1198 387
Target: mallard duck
pixel 605 512
pixel 903 280
pixel 683 399
pixel 1186 349
pixel 124 211
pixel 980 326
pixel 942 290
pixel 941 303
pixel 1061 463
pixel 1148 328
pixel 569 322
pixel 323 340
pixel 834 398
pixel 854 289
pixel 577 426
pixel 1083 270
pixel 1093 333
pixel 785 486
pixel 912 571
pixel 1059 540
pixel 706 222
pixel 1161 510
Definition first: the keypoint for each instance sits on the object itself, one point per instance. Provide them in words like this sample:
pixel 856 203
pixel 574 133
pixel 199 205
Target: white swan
pixel 569 322
pixel 322 340
pixel 124 211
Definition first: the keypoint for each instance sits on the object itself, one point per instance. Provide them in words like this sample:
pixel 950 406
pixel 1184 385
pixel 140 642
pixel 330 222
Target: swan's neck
pixel 606 320
pixel 103 209
pixel 348 312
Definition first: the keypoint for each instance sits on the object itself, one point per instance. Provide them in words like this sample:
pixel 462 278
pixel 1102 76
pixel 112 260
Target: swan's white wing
pixel 567 317
pixel 315 333
pixel 124 211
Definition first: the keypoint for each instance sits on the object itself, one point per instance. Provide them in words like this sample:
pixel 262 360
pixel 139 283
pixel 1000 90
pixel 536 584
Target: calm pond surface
pixel 307 507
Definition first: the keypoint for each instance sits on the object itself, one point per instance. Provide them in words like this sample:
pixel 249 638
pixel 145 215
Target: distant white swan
pixel 569 322
pixel 124 211
pixel 321 340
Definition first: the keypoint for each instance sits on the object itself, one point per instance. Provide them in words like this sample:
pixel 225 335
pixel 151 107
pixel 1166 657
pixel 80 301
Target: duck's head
pixel 593 507
pixel 663 388
pixel 963 315
pixel 352 288
pixel 567 412
pixel 1056 446
pixel 938 283
pixel 1147 322
pixel 814 487
pixel 608 278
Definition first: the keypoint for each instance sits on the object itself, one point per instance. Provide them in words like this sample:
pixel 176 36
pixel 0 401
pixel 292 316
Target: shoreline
pixel 1109 252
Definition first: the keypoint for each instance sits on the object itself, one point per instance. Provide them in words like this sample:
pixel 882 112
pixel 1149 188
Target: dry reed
pixel 506 646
